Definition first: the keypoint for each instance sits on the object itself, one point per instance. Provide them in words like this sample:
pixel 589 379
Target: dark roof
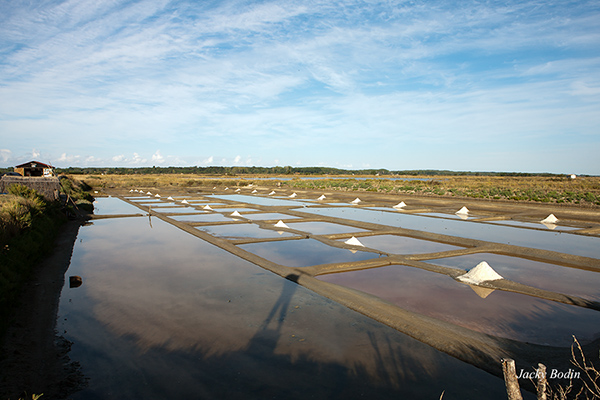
pixel 38 165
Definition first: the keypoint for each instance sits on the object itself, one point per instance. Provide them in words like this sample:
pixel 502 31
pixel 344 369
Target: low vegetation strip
pixel 29 223
pixel 559 189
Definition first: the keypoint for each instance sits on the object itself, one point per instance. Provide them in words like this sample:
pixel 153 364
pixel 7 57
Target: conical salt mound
pixel 400 205
pixel 148 193
pixel 550 219
pixel 292 195
pixel 236 214
pixel 130 190
pixel 170 198
pixel 481 273
pixel 272 193
pixel 281 224
pixel 322 197
pixel 355 201
pixel 184 201
pixel 354 242
pixel 254 191
pixel 238 189
pixel 226 188
pixel 207 207
pixel 463 210
pixel 157 195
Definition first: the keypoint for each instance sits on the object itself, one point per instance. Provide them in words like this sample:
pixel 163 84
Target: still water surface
pixel 555 241
pixel 163 315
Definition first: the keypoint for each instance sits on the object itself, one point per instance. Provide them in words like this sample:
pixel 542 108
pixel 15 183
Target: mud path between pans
pixel 479 349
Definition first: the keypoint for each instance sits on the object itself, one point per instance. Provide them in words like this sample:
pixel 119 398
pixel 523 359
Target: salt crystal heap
pixel 481 273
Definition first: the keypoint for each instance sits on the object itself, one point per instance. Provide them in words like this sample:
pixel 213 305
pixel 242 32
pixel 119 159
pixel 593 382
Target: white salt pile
pixel 481 273
pixel 236 214
pixel 281 224
pixel 354 241
pixel 322 197
pixel 550 219
pixel 355 201
pixel 463 210
pixel 400 205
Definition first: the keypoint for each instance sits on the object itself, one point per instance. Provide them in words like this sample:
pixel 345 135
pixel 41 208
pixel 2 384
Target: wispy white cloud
pixel 268 78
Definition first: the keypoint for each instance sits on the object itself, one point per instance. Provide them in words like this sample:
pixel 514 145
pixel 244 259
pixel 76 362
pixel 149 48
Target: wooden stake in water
pixel 510 378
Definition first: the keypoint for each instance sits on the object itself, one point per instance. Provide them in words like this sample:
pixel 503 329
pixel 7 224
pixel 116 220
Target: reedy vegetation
pixel 584 191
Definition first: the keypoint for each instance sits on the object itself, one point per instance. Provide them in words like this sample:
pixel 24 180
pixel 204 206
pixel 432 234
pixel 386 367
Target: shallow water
pixel 555 241
pixel 164 315
pixel 243 231
pixel 264 201
pixel 394 244
pixel 541 275
pixel 113 205
pixel 504 314
pixel 539 225
pixel 269 216
pixel 323 228
pixel 305 252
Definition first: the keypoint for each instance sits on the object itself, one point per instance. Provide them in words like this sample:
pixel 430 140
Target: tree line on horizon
pixel 277 170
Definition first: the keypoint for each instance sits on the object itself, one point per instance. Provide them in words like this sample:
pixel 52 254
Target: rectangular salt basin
pixel 565 280
pixel 232 209
pixel 265 201
pixel 238 231
pixel 323 228
pixel 538 225
pixel 113 205
pixel 563 242
pixel 499 313
pixel 177 210
pixel 203 217
pixel 164 315
pixel 304 253
pixel 395 244
pixel 268 216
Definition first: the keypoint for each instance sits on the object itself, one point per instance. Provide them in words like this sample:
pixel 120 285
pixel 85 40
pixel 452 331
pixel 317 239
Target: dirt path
pixel 34 358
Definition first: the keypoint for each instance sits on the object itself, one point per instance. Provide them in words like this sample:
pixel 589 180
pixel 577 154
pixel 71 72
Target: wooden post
pixel 541 382
pixel 510 379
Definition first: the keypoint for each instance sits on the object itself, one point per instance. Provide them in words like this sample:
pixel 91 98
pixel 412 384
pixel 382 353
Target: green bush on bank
pixel 28 226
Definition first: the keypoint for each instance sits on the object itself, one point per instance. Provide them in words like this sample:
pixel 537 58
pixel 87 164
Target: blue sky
pixel 469 85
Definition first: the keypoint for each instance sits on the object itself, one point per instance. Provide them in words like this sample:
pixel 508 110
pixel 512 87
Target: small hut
pixel 34 168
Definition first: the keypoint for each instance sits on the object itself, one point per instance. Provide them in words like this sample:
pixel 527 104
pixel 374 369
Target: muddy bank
pixel 34 357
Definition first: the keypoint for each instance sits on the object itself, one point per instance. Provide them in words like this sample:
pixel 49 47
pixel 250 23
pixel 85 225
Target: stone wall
pixel 49 187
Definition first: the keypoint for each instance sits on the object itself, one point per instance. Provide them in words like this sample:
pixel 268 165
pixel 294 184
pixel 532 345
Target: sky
pixel 468 85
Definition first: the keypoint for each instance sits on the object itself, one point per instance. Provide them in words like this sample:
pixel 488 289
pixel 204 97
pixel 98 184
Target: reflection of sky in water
pixel 181 210
pixel 323 228
pixel 534 273
pixel 203 217
pixel 554 241
pixel 451 216
pixel 267 216
pixel 162 314
pixel 534 225
pixel 504 314
pixel 264 201
pixel 113 205
pixel 404 245
pixel 230 210
pixel 243 231
pixel 304 252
